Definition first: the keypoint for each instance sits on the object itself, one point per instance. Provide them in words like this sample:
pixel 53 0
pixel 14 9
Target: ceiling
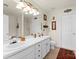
pixel 46 5
pixel 11 8
pixel 49 5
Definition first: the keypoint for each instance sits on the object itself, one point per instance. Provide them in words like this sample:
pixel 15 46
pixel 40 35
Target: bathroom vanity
pixel 33 48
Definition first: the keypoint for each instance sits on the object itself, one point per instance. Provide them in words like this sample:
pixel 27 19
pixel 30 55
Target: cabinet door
pixel 27 53
pixel 38 48
pixel 44 48
pixel 48 45
pixel 38 56
pixel 43 52
pixel 30 56
pixel 17 56
pixel 38 51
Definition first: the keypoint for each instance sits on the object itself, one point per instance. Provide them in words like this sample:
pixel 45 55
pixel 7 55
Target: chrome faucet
pixel 13 41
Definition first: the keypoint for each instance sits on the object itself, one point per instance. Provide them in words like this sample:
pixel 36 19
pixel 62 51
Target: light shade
pixel 26 8
pixel 26 13
pixel 20 5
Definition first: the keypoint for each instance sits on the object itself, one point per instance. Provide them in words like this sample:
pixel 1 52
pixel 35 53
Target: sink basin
pixel 10 47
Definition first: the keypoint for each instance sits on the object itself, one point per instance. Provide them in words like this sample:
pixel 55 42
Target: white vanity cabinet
pixel 36 51
pixel 42 48
pixel 30 56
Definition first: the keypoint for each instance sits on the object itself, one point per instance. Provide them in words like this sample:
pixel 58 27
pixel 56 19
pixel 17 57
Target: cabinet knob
pixel 38 55
pixel 39 50
pixel 46 43
pixel 38 45
pixel 73 33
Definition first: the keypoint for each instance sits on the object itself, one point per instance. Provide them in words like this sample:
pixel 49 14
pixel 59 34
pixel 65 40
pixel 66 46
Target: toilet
pixel 53 44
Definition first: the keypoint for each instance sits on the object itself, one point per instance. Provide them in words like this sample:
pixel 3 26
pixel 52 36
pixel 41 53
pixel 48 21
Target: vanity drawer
pixel 38 46
pixel 38 51
pixel 38 56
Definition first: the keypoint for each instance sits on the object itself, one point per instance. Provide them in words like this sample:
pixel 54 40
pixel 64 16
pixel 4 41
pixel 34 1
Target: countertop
pixel 29 42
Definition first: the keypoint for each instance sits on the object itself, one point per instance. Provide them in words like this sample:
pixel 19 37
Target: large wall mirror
pixel 16 22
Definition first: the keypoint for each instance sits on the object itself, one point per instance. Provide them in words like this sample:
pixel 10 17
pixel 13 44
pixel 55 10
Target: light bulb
pixel 37 13
pixel 30 12
pixel 25 9
pixel 20 5
pixel 26 12
pixel 34 10
pixel 28 8
pixel 34 14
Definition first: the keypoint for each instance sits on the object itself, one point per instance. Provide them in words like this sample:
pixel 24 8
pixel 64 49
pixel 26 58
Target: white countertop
pixel 29 42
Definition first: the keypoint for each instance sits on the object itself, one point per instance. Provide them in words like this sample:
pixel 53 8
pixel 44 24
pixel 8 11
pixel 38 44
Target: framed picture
pixel 53 25
pixel 45 17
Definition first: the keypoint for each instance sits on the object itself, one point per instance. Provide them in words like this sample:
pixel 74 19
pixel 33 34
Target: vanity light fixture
pixel 67 10
pixel 27 8
pixel 26 13
pixel 20 5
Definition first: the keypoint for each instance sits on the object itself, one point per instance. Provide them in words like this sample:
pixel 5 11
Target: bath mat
pixel 65 54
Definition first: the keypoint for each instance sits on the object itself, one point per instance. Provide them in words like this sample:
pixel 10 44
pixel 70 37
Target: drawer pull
pixel 38 55
pixel 39 50
pixel 38 45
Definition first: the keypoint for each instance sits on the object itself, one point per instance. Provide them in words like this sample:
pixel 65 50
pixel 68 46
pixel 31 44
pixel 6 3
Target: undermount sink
pixel 10 47
pixel 15 46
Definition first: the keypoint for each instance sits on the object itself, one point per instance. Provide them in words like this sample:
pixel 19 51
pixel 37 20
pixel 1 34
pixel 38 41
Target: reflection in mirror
pixel 12 20
pixel 18 23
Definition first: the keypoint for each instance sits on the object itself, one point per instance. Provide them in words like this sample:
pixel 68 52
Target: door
pixel 69 31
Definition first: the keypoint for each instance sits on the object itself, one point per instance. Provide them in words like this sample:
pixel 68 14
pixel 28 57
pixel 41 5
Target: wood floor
pixel 52 54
